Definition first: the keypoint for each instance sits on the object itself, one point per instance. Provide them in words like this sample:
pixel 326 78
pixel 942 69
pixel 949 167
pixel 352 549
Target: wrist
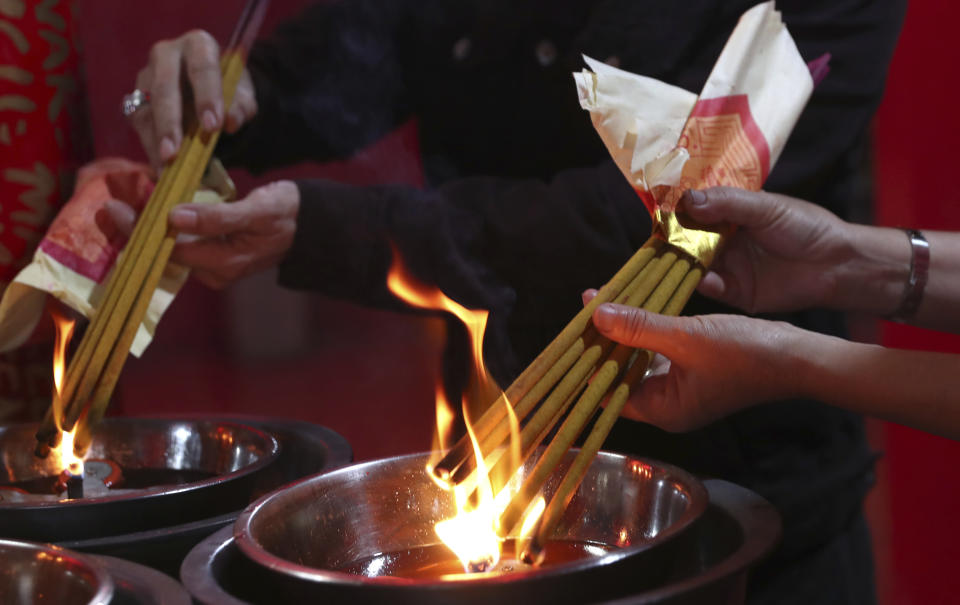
pixel 815 363
pixel 797 361
pixel 872 279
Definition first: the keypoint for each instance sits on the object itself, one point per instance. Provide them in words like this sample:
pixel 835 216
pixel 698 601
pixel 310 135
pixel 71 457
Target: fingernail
pixel 209 120
pixel 167 148
pixel 605 316
pixel 183 218
pixel 696 197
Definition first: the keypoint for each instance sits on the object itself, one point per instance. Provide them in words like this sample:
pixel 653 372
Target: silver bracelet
pixel 919 270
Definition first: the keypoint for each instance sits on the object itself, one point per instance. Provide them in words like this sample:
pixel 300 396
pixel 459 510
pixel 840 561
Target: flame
pixel 533 515
pixel 64 457
pixel 442 436
pixel 472 533
pixel 411 291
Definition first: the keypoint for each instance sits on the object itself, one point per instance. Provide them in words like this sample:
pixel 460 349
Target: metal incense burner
pixel 144 473
pixel 41 573
pixel 296 542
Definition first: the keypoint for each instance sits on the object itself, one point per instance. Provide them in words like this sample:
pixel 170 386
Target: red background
pixel 915 162
pixel 369 375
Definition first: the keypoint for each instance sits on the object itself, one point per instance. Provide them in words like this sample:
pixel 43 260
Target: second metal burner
pixel 176 471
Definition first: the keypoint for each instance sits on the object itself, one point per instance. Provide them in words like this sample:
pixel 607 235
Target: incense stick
pixel 586 406
pixel 568 337
pixel 602 427
pixel 636 293
pixel 636 290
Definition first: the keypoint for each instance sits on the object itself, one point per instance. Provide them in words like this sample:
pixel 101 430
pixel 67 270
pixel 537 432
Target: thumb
pixel 636 327
pixel 210 220
pixel 750 209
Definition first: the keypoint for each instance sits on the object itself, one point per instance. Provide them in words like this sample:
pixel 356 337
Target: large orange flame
pixel 64 457
pixel 472 534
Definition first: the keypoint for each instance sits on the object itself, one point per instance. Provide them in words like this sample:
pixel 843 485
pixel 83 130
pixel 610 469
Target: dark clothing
pixel 525 208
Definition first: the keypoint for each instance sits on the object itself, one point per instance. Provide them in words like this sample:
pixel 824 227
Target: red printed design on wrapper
pixel 73 239
pixel 726 148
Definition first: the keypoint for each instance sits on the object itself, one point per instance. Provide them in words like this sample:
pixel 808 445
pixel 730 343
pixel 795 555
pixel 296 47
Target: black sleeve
pixel 328 82
pixel 523 249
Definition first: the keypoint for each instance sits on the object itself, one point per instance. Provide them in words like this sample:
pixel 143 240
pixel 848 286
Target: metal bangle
pixel 917 281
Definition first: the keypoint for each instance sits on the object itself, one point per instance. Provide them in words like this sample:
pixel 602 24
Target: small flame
pixel 64 457
pixel 442 436
pixel 472 533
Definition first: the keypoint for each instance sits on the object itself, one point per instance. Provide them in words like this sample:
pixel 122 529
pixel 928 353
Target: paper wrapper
pixel 74 259
pixel 666 140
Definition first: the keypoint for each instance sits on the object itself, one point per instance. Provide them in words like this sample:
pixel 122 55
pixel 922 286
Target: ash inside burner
pixel 435 562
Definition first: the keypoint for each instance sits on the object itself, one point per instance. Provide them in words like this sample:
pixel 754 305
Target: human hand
pixel 224 242
pixel 179 70
pixel 707 366
pixel 786 254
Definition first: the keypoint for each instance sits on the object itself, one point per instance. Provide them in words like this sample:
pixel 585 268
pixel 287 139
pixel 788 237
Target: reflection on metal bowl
pixel 209 468
pixel 300 536
pixel 41 573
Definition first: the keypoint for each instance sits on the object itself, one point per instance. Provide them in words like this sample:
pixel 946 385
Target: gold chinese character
pixel 38 198
pixel 45 14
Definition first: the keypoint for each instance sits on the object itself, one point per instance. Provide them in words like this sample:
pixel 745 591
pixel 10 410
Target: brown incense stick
pixel 641 288
pixel 636 291
pixel 602 427
pixel 585 407
pixel 462 450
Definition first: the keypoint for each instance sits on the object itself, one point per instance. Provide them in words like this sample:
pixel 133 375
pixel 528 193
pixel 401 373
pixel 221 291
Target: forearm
pixel 913 388
pixel 874 276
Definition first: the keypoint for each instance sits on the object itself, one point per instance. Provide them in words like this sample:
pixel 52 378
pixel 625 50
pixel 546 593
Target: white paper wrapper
pixel 666 140
pixel 74 260
pixel 639 119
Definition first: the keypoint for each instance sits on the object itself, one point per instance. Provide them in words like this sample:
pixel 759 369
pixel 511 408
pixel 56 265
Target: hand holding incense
pixel 93 372
pixel 730 135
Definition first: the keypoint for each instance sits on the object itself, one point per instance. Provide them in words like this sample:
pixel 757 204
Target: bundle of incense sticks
pixel 658 278
pixel 664 140
pixel 96 365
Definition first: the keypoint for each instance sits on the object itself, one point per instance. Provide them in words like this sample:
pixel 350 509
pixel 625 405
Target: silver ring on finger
pixel 134 102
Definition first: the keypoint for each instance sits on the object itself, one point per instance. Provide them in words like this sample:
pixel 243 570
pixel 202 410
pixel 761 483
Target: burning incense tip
pixel 480 565
pixel 510 566
pixel 534 554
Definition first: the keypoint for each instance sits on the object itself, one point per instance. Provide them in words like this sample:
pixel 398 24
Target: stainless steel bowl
pixel 41 573
pixel 223 457
pixel 738 529
pixel 301 535
pixel 306 449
